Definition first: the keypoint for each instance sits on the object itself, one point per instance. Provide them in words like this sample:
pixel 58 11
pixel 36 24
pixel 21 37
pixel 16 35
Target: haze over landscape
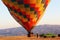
pixel 40 29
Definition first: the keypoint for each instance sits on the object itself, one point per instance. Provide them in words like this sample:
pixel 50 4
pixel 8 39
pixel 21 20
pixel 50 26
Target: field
pixel 26 38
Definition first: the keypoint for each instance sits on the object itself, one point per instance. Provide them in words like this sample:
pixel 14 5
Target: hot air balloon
pixel 26 12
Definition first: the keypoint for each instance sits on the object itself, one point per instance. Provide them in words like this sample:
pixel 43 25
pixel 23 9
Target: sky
pixel 51 16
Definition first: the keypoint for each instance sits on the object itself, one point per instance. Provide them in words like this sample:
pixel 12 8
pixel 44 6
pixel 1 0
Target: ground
pixel 26 38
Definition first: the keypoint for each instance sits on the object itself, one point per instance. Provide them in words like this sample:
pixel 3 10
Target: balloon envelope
pixel 26 12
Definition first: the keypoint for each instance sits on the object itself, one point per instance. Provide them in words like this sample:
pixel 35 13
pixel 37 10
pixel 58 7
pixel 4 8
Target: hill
pixel 38 29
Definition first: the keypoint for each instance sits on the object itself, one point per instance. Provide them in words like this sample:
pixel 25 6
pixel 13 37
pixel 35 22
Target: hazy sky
pixel 51 16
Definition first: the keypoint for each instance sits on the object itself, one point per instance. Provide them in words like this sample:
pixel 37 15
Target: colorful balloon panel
pixel 26 12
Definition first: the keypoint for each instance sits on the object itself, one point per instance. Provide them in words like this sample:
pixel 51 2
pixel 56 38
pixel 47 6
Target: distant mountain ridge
pixel 47 29
pixel 38 29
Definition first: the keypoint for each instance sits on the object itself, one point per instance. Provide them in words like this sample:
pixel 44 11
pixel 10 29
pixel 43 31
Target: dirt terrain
pixel 26 38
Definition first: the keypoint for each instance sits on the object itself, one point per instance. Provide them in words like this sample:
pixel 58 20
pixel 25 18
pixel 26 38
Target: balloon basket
pixel 30 34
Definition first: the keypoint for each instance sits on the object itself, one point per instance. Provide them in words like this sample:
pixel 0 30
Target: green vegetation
pixel 48 35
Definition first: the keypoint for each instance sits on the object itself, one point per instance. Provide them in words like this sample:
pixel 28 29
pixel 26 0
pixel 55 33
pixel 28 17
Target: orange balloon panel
pixel 26 12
